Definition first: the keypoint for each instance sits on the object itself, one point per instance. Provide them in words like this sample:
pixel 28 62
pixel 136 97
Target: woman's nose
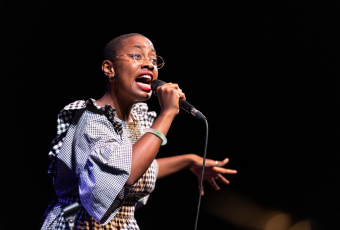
pixel 147 64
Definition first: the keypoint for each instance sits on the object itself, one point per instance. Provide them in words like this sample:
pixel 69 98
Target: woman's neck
pixel 122 107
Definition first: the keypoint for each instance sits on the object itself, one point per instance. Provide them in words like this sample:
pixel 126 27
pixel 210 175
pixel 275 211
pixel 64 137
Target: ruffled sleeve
pixel 93 159
pixel 103 164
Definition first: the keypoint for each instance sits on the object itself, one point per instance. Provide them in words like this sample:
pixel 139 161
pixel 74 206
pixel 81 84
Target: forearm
pixel 146 148
pixel 170 165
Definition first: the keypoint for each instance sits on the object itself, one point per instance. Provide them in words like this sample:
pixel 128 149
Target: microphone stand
pixel 69 213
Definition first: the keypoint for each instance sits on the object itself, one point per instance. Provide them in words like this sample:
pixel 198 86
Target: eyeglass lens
pixel 155 60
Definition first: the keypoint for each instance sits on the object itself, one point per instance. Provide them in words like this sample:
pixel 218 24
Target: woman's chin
pixel 144 96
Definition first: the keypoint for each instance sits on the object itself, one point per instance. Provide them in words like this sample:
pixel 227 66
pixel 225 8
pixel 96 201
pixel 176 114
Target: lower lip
pixel 144 87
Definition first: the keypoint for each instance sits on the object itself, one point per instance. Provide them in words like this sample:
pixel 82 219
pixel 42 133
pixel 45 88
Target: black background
pixel 265 74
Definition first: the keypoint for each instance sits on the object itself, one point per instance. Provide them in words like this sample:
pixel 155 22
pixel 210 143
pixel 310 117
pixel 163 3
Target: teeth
pixel 145 76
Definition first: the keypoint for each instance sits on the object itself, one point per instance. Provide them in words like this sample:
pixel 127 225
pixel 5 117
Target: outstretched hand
pixel 213 171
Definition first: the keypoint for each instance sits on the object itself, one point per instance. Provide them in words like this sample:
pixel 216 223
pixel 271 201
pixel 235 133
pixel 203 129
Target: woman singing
pixel 104 154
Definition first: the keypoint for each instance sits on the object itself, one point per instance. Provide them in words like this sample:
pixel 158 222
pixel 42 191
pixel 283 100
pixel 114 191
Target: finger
pixel 173 88
pixel 170 85
pixel 165 87
pixel 179 91
pixel 181 95
pixel 224 170
pixel 222 179
pixel 211 163
pixel 225 161
pixel 212 182
pixel 199 186
pixel 222 163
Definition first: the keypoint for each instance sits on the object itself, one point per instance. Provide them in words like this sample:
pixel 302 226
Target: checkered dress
pixel 91 162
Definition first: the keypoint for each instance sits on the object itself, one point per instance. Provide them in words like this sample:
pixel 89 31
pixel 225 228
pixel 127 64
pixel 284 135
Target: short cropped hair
pixel 112 48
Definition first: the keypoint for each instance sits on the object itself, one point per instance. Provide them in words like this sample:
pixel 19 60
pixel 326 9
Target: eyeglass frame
pixel 133 56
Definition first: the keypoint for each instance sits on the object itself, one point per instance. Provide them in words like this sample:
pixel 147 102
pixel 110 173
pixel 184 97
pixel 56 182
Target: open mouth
pixel 144 82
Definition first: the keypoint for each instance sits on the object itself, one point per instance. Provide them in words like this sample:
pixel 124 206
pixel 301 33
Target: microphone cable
pixel 186 106
pixel 204 157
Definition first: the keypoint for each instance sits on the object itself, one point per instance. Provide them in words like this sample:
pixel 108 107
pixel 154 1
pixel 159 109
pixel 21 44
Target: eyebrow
pixel 141 47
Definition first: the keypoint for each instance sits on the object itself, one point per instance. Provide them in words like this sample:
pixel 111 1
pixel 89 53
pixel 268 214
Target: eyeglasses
pixel 156 61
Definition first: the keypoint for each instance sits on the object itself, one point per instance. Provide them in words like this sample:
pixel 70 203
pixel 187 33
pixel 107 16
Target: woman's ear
pixel 107 68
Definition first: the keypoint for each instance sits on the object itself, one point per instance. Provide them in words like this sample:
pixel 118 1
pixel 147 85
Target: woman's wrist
pixel 192 159
pixel 174 164
pixel 162 123
pixel 168 114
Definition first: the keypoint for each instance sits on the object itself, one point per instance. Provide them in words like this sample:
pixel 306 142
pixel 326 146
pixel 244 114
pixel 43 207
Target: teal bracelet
pixel 158 134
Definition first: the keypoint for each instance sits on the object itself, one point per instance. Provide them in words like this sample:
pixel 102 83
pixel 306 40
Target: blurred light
pixel 242 212
pixel 302 225
pixel 278 222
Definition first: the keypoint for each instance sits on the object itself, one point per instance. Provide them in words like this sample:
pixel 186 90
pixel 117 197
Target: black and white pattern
pixel 91 161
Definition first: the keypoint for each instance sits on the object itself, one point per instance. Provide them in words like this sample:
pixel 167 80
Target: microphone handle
pixel 186 106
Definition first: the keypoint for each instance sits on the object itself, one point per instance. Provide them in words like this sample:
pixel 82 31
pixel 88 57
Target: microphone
pixel 186 106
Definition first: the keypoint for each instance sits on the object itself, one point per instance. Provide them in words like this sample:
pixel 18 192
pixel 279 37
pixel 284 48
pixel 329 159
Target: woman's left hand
pixel 212 171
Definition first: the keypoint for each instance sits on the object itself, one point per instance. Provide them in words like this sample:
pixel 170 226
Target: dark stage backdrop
pixel 265 74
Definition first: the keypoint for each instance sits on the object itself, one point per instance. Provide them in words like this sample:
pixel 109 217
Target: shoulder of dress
pixel 80 104
pixel 75 105
pixel 66 115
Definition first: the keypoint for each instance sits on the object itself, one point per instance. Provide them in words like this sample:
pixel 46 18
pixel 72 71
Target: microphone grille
pixel 155 84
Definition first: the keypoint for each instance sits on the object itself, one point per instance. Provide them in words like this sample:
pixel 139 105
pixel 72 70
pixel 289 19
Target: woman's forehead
pixel 138 42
